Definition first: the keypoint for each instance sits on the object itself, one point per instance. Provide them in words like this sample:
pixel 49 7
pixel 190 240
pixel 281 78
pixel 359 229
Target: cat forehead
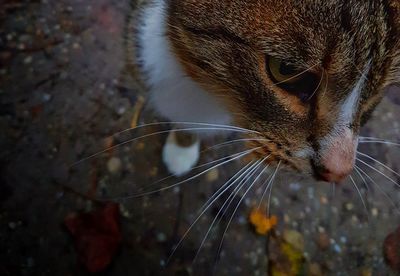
pixel 245 15
pixel 300 29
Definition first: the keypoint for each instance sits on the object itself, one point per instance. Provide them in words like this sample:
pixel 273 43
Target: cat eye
pixel 301 83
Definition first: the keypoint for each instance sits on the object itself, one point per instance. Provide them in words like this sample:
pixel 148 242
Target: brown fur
pixel 223 44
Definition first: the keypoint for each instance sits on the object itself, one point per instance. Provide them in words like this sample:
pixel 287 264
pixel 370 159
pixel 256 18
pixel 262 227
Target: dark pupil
pixel 287 70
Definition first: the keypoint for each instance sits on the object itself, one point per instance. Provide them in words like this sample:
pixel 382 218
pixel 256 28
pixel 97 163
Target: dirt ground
pixel 64 96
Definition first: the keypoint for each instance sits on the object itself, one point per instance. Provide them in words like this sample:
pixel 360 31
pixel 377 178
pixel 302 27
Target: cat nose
pixel 337 157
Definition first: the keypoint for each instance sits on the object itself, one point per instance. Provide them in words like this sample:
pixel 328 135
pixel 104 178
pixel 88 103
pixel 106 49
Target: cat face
pixel 305 74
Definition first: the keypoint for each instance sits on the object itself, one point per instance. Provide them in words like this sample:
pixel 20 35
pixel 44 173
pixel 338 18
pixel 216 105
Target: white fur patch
pixel 350 105
pixel 180 160
pixel 304 153
pixel 173 94
pixel 346 114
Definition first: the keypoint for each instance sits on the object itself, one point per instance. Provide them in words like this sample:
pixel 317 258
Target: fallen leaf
pixel 137 109
pixel 391 248
pixel 261 222
pixel 96 235
pixel 284 258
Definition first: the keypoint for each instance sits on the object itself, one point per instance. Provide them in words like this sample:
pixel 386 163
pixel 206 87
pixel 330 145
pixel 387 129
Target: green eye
pixel 301 83
pixel 282 72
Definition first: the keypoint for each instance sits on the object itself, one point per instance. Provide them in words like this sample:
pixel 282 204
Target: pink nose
pixel 338 157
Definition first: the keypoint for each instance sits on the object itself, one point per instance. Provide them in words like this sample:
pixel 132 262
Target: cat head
pixel 305 74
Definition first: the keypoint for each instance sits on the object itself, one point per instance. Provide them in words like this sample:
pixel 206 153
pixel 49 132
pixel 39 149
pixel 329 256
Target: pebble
pixel 295 187
pixel 366 272
pixel 374 212
pixel 315 269
pixel 121 110
pixel 161 237
pixel 337 248
pixel 212 175
pixel 114 165
pixel 349 206
pixel 12 225
pixel 310 192
pixel 46 97
pixel 162 263
pixel 28 60
pixel 323 241
pixel 30 262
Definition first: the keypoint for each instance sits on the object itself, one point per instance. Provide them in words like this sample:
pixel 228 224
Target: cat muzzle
pixel 336 160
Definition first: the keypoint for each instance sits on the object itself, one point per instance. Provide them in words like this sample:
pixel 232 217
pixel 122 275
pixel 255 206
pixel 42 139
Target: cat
pixel 297 78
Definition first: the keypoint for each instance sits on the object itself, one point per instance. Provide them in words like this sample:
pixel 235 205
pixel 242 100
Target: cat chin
pixel 172 94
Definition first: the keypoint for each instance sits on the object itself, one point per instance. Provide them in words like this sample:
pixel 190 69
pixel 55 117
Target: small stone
pixel 162 263
pixel 337 248
pixel 28 60
pixel 374 212
pixel 30 262
pixel 349 206
pixel 46 97
pixel 315 269
pixel 114 165
pixel 121 110
pixel 366 272
pixel 12 225
pixel 295 186
pixel 324 200
pixel 212 175
pixel 161 237
pixel 140 146
pixel 323 241
pixel 286 218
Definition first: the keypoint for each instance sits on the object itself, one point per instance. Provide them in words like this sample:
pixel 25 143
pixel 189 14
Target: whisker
pixel 333 190
pixel 270 190
pixel 327 82
pixel 269 180
pixel 380 163
pixel 369 138
pixel 249 172
pixel 239 203
pixel 234 141
pixel 200 166
pixel 297 75
pixel 315 91
pixel 185 123
pixel 379 142
pixel 362 178
pixel 379 188
pixel 381 173
pixel 150 135
pixel 183 181
pixel 359 193
pixel 209 203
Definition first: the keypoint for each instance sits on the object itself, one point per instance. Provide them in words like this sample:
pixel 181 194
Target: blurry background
pixel 64 92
